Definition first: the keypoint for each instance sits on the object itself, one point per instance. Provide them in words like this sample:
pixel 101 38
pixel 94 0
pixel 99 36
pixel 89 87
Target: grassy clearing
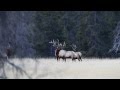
pixel 51 69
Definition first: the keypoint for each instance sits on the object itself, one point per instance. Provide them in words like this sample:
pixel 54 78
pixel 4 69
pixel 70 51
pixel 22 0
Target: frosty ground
pixel 51 69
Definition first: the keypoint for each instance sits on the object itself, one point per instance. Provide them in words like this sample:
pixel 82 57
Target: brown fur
pixel 57 53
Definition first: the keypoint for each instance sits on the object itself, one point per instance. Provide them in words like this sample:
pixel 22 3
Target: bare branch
pixel 4 60
pixel 18 68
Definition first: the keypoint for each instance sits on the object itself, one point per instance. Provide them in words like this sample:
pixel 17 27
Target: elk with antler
pixel 61 53
pixel 77 55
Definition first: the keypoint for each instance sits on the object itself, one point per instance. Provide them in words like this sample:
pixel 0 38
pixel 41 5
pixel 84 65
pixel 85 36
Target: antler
pixel 64 44
pixel 57 43
pixel 60 44
pixel 74 47
pixel 53 42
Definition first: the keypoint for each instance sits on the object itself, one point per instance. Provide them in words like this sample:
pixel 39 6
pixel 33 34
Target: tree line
pixel 93 32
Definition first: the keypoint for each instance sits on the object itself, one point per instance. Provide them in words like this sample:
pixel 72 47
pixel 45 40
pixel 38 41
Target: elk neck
pixel 57 51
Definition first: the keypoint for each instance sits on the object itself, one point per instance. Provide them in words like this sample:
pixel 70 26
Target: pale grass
pixel 46 68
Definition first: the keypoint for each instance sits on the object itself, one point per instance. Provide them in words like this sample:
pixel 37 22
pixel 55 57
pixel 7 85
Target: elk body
pixel 65 54
pixel 60 53
pixel 77 55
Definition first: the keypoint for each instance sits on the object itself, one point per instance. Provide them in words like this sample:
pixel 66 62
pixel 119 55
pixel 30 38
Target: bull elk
pixel 61 53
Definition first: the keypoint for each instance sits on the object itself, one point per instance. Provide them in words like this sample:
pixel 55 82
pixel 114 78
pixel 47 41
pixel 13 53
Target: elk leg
pixel 57 58
pixel 73 59
pixel 80 58
pixel 64 59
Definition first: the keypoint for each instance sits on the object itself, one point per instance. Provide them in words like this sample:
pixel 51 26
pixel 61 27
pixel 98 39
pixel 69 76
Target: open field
pixel 51 69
